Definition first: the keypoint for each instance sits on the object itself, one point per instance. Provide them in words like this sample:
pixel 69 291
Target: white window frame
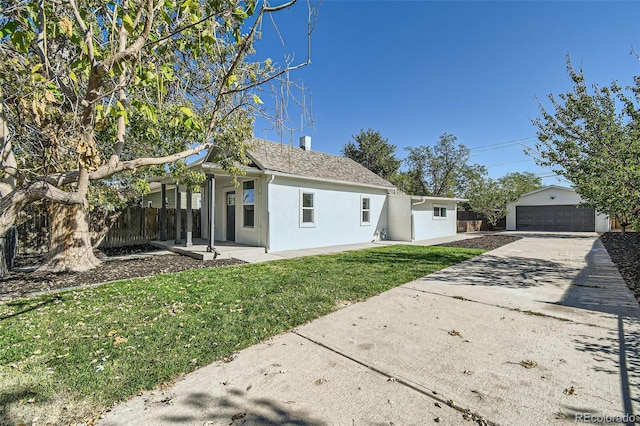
pixel 312 208
pixel 439 215
pixel 248 204
pixel 363 210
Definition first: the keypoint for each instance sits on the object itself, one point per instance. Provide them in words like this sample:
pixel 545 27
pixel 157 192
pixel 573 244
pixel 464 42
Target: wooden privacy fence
pixel 139 225
pixel 135 226
pixel 469 221
pixel 615 225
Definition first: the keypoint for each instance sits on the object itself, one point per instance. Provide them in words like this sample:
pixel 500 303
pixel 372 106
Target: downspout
pixel 268 243
pixel 413 226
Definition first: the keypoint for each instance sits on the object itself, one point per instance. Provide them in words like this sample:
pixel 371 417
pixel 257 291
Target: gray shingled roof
pixel 284 158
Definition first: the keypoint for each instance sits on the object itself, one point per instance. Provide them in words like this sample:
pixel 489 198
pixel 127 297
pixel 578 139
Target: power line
pixel 501 145
pixel 509 164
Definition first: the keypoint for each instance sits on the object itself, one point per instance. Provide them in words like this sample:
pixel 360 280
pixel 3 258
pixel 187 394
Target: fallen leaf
pixel 238 416
pixel 528 363
pixel 119 340
pixel 111 333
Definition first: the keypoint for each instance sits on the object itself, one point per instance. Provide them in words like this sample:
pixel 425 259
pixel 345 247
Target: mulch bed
pixel 624 250
pixel 18 284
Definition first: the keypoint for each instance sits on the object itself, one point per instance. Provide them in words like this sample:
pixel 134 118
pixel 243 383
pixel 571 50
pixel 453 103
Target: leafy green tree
pixel 93 92
pixel 490 197
pixel 592 137
pixel 441 170
pixel 374 152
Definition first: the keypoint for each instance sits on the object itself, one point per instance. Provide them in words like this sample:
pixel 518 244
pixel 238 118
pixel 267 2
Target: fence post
pixel 189 242
pixel 178 217
pixel 163 213
pixel 3 264
pixel 11 246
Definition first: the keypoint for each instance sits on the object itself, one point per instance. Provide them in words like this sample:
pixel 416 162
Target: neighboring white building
pixel 295 198
pixel 414 218
pixel 554 208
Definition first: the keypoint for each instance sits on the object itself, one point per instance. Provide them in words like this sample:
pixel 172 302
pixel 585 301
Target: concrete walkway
pixel 541 331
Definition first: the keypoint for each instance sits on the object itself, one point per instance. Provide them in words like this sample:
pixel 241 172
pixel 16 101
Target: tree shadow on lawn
pixel 22 306
pixel 509 272
pixel 21 395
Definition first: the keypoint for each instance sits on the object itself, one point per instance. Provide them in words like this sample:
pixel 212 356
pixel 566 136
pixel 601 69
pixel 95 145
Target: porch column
pixel 189 242
pixel 211 183
pixel 178 218
pixel 163 212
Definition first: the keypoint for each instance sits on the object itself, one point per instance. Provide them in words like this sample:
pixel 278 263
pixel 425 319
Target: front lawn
pixel 66 355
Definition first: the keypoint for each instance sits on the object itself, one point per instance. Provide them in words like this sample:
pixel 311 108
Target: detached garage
pixel 554 209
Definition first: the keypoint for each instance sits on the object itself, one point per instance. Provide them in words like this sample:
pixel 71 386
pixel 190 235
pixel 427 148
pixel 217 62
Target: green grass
pixel 93 347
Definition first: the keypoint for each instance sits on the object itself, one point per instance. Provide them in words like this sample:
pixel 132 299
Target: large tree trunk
pixel 70 247
pixel 10 206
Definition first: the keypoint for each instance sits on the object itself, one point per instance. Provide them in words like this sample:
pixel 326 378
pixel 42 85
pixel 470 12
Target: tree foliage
pixel 94 91
pixel 374 152
pixel 490 197
pixel 440 170
pixel 592 137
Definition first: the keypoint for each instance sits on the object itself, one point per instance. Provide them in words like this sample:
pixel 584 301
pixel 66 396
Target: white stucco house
pixel 295 198
pixel 554 208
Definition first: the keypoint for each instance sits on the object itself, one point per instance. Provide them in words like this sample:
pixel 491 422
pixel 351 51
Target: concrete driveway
pixel 541 331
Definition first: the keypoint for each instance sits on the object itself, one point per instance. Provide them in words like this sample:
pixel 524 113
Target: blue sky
pixel 413 70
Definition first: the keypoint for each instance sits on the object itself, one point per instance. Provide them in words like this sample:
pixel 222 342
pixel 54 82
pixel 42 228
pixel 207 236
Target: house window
pixel 248 204
pixel 307 209
pixel 365 211
pixel 439 211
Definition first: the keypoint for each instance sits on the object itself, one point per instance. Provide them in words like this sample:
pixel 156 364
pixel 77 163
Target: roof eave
pixel 443 199
pixel 317 179
pixel 544 188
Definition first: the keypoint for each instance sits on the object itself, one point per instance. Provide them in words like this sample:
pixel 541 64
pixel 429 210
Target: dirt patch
pixel 624 250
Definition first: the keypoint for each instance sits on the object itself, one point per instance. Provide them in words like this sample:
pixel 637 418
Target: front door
pixel 231 216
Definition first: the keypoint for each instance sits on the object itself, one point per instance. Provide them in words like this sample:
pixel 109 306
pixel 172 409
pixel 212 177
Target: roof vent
pixel 305 143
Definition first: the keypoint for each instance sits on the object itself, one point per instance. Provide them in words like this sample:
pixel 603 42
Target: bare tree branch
pixel 106 171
